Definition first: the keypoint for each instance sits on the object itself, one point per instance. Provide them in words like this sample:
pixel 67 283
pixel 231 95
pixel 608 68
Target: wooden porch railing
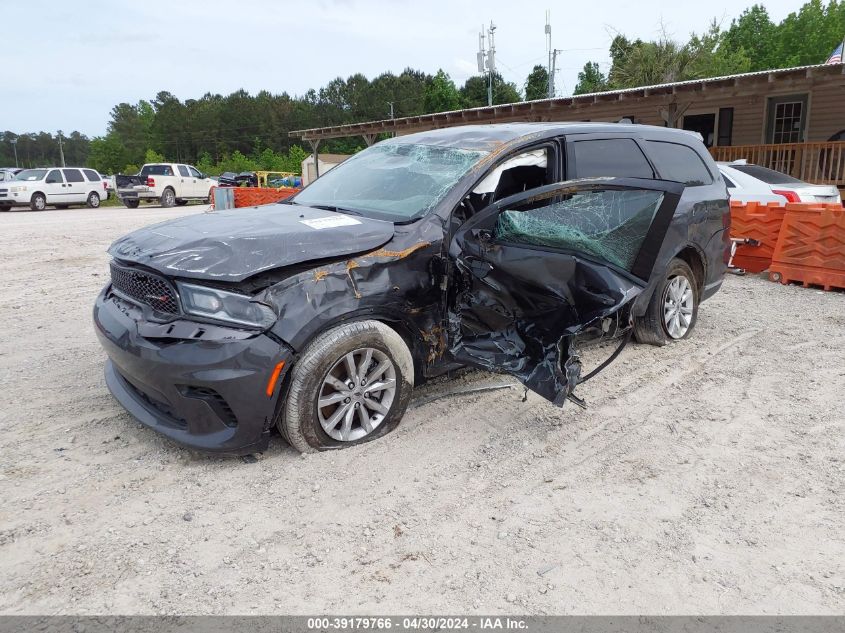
pixel 819 163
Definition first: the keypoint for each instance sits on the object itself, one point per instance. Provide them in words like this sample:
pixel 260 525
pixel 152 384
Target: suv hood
pixel 234 244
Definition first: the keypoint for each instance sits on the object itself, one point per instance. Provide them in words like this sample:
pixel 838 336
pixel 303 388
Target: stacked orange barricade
pixel 255 196
pixel 757 221
pixel 811 246
pixel 249 196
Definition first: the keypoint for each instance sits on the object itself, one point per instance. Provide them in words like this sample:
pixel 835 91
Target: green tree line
pixel 752 42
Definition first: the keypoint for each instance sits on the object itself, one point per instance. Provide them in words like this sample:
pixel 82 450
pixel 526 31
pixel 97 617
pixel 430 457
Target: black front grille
pixel 145 288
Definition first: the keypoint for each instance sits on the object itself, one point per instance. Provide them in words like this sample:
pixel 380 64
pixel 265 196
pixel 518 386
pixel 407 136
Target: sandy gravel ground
pixel 705 477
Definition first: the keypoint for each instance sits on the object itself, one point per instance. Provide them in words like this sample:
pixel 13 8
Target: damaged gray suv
pixel 503 247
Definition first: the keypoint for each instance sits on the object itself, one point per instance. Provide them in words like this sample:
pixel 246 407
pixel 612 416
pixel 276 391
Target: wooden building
pixel 792 120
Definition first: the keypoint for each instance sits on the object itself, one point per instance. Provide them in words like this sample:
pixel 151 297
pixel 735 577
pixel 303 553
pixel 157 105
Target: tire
pixel 673 310
pixel 93 200
pixel 38 202
pixel 181 202
pixel 131 204
pixel 307 427
pixel 5 207
pixel 168 198
pixel 61 206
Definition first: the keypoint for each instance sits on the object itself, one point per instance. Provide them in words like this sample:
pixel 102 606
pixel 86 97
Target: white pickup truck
pixel 166 183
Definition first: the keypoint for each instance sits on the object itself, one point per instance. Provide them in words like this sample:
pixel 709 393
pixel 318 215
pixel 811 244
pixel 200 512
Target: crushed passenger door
pixel 535 269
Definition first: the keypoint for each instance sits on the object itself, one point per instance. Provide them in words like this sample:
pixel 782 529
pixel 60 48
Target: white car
pixel 60 187
pixel 166 183
pixel 753 183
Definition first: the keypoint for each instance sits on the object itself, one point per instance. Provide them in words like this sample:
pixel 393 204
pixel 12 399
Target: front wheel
pixel 93 200
pixel 351 385
pixel 673 309
pixel 181 202
pixel 38 202
pixel 5 207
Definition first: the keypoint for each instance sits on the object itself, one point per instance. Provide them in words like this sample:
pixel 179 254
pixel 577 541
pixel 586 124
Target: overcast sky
pixel 68 63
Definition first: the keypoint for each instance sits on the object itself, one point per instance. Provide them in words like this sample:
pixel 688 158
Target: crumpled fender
pixel 394 283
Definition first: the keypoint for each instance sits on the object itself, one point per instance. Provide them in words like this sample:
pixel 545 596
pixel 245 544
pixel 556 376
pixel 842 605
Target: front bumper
pixel 206 394
pixel 19 198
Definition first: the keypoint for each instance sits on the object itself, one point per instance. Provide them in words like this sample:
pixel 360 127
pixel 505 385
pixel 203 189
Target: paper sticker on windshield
pixel 330 221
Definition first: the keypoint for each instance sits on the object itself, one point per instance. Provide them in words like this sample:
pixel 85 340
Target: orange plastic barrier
pixel 811 246
pixel 757 221
pixel 255 196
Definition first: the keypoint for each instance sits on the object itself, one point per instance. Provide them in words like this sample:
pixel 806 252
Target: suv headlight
pixel 225 306
pixel 17 188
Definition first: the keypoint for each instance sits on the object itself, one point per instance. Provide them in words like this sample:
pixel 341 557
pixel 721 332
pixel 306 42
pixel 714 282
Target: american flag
pixel 836 55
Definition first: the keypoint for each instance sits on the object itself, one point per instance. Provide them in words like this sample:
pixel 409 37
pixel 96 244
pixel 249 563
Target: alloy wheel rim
pixel 678 303
pixel 95 200
pixel 356 394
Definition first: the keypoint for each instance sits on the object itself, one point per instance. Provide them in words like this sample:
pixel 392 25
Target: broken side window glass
pixel 607 224
pixel 520 173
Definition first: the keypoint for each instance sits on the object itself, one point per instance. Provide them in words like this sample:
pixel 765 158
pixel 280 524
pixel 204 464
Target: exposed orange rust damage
pixel 319 275
pixel 397 254
pixel 350 266
pixel 436 341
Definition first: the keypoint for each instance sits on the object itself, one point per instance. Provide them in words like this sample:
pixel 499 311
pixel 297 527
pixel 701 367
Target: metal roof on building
pixel 469 115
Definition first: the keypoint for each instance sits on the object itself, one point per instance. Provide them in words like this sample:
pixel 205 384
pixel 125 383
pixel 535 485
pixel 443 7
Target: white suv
pixel 59 187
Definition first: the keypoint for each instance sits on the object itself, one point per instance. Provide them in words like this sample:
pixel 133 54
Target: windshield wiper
pixel 328 207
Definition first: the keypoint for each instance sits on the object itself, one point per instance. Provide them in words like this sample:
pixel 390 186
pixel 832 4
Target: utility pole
pixel 390 103
pixel 552 74
pixel 487 58
pixel 61 151
pixel 491 63
pixel 552 57
pixel 14 142
pixel 550 92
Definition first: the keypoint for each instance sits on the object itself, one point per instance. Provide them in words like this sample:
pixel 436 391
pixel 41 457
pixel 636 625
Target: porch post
pixel 315 144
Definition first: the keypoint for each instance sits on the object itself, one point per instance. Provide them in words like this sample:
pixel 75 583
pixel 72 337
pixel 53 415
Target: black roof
pixel 492 136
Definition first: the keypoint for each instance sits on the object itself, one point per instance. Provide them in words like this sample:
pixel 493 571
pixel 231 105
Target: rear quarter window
pixel 91 175
pixel 680 163
pixel 73 175
pixel 769 176
pixel 156 170
pixel 614 157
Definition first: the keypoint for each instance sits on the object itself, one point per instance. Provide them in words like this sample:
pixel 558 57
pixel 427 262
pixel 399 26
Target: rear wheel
pixel 38 202
pixel 181 202
pixel 5 207
pixel 673 309
pixel 93 200
pixel 62 206
pixel 351 385
pixel 131 204
pixel 168 198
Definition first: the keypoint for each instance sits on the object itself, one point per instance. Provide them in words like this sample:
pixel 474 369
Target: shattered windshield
pixel 392 181
pixel 609 225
